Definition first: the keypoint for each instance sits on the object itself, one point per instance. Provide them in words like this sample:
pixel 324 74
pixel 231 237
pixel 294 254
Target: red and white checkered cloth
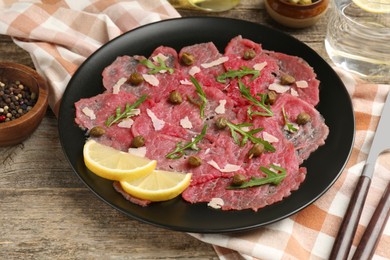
pixel 60 35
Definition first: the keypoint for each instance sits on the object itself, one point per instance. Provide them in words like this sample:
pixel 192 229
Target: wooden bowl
pixel 296 15
pixel 17 130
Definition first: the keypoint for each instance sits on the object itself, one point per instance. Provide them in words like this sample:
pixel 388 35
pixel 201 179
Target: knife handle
pixel 372 235
pixel 349 224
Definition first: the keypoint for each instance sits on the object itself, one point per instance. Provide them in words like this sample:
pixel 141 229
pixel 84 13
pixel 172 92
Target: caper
pixel 221 122
pixel 175 97
pixel 187 58
pixel 287 79
pixel 138 141
pixel 135 79
pixel 303 118
pixel 249 54
pixel 194 161
pixel 238 179
pixel 271 97
pixel 97 131
pixel 256 150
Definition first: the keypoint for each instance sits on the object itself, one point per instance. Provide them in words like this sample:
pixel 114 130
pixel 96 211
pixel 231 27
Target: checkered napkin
pixel 60 35
pixel 310 234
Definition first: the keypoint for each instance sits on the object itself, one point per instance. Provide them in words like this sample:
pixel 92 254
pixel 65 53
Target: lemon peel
pixel 374 6
pixel 113 164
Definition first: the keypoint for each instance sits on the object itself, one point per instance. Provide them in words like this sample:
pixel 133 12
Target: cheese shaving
pixel 270 138
pixel 216 203
pixel 161 56
pixel 118 84
pixel 294 92
pixel 89 112
pixel 126 123
pixel 215 62
pixel 185 82
pixel 228 167
pixel 151 79
pixel 186 123
pixel 221 108
pixel 158 124
pixel 140 151
pixel 301 84
pixel 194 70
pixel 278 88
pixel 260 66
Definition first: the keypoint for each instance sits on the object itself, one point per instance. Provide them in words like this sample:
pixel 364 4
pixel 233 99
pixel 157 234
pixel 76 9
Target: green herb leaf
pixel 201 94
pixel 238 74
pixel 245 92
pixel 275 175
pixel 156 68
pixel 128 112
pixel 180 149
pixel 287 123
pixel 236 129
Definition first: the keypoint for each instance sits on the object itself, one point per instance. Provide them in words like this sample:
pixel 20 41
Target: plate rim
pixel 189 229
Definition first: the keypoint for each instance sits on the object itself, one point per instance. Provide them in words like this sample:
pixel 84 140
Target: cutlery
pixel 350 222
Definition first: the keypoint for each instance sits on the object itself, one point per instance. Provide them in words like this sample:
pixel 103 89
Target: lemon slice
pixel 158 185
pixel 113 164
pixel 374 6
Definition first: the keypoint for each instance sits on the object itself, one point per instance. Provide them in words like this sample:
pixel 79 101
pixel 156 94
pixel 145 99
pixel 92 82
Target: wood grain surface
pixel 46 212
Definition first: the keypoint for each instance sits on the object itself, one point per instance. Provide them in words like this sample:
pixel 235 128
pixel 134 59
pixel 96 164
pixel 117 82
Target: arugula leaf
pixel 128 112
pixel 179 150
pixel 290 126
pixel 238 74
pixel 236 129
pixel 275 175
pixel 201 94
pixel 245 92
pixel 156 68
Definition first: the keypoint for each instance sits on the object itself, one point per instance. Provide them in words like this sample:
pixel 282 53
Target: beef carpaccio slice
pixel 165 125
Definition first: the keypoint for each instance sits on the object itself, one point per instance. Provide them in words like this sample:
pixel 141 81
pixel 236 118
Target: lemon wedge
pixel 374 6
pixel 113 164
pixel 158 185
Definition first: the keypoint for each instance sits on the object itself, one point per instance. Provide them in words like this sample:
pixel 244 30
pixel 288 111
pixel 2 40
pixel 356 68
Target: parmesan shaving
pixel 215 62
pixel 118 84
pixel 186 123
pixel 270 138
pixel 301 84
pixel 194 70
pixel 89 112
pixel 161 56
pixel 158 124
pixel 126 123
pixel 221 108
pixel 140 151
pixel 216 203
pixel 294 92
pixel 228 167
pixel 185 82
pixel 260 66
pixel 278 88
pixel 151 79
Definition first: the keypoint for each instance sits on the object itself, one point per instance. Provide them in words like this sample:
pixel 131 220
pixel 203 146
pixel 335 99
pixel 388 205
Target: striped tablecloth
pixel 60 35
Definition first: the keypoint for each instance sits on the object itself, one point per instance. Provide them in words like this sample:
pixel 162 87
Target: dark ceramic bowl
pixel 17 130
pixel 296 15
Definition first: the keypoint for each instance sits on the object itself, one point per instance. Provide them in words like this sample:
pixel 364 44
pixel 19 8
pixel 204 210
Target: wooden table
pixel 47 212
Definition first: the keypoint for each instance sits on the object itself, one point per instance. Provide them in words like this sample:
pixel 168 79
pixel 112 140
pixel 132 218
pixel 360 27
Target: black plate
pixel 324 166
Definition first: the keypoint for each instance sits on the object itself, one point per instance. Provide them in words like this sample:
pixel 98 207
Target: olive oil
pixel 214 5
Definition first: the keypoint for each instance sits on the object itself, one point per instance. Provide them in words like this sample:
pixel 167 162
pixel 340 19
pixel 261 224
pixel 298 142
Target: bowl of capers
pixel 296 13
pixel 23 102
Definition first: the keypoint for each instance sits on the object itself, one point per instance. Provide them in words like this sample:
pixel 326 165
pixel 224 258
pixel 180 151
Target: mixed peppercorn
pixel 16 100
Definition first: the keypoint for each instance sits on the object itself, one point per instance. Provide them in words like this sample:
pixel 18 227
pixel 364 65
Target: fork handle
pixel 349 224
pixel 372 235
